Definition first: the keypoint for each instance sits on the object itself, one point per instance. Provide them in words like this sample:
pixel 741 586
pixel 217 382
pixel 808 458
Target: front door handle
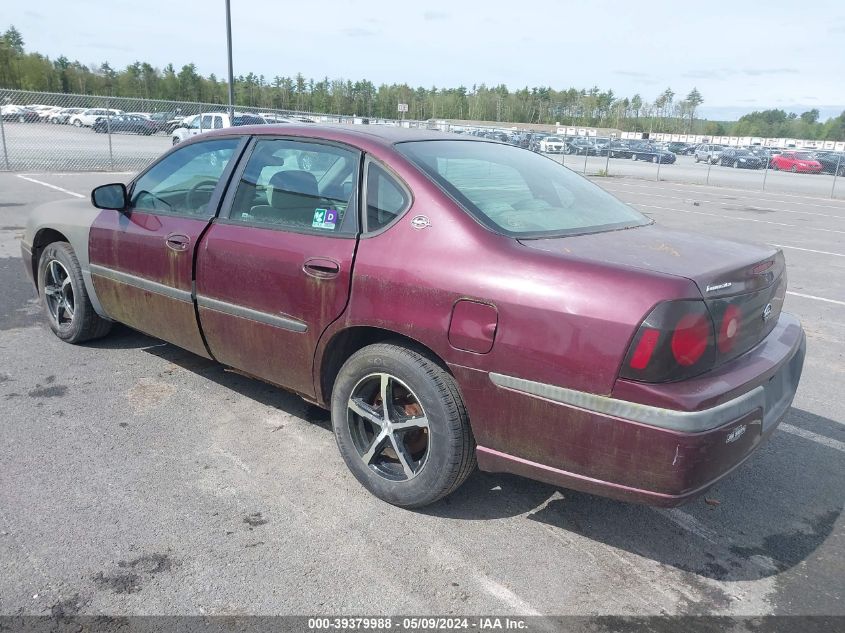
pixel 177 242
pixel 321 268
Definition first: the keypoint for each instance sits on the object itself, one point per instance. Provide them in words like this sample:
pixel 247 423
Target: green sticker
pixel 325 219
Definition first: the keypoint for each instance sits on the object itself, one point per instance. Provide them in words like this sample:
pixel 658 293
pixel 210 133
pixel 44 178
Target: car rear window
pixel 247 120
pixel 517 192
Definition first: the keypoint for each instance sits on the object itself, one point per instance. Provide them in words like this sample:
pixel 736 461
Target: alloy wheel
pixel 389 427
pixel 58 292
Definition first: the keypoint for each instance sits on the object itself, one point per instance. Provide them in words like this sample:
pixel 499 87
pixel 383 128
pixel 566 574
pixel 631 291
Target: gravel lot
pixel 136 478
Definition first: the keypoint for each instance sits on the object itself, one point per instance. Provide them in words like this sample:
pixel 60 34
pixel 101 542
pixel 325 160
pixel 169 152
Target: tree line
pixel 593 107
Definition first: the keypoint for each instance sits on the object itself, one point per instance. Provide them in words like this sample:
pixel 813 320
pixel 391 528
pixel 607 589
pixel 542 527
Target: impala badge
pixel 421 222
pixel 767 311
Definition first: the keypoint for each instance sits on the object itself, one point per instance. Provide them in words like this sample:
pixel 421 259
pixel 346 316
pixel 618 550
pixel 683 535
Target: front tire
pixel 420 447
pixel 66 304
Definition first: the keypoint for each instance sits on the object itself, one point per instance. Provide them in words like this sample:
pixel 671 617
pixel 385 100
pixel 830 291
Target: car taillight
pixel 675 341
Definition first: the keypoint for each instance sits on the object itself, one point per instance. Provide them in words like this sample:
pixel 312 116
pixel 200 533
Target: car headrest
pixel 285 185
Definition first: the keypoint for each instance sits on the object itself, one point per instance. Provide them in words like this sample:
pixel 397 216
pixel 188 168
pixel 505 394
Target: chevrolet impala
pixel 454 301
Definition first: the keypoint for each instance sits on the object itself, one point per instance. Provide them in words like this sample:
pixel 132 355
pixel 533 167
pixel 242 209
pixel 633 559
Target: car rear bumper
pixel 630 451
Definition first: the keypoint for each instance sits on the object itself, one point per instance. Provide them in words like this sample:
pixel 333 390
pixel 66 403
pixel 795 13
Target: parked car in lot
pixel 126 123
pixel 18 113
pixel 764 154
pixel 161 120
pixel 616 149
pixel 643 150
pixel 739 158
pixel 579 145
pixel 708 153
pixel 62 115
pixel 802 162
pixel 88 117
pixel 441 294
pixel 213 121
pixel 831 162
pixel 552 145
pixel 680 149
pixel 534 140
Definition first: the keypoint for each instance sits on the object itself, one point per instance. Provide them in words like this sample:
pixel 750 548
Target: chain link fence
pixel 43 132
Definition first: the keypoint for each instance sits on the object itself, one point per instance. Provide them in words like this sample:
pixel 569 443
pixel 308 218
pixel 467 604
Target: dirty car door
pixel 274 273
pixel 142 258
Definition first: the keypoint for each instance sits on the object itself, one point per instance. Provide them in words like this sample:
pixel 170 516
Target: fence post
pixel 709 166
pixel 835 173
pixel 607 162
pixel 659 161
pixel 586 155
pixel 766 171
pixel 108 131
pixel 5 151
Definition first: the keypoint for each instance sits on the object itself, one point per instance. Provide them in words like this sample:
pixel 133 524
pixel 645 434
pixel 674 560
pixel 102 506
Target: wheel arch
pixel 349 340
pixel 43 238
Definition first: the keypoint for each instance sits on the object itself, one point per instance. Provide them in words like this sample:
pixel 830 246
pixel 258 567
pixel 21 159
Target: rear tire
pixel 435 460
pixel 794 169
pixel 66 304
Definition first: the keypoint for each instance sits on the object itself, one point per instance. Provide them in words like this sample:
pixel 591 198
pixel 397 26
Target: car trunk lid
pixel 738 281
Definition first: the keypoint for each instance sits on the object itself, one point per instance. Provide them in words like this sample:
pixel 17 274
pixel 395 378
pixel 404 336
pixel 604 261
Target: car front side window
pixel 183 182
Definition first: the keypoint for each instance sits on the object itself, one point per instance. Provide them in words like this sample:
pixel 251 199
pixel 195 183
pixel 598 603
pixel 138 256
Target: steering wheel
pixel 192 201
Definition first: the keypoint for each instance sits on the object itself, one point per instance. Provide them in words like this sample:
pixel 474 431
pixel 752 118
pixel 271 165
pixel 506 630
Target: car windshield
pixel 518 193
pixel 803 156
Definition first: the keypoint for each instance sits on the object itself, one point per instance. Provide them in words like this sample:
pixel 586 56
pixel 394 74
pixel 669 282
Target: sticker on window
pixel 324 219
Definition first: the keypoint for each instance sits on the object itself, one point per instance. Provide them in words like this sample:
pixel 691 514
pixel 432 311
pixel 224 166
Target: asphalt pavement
pixel 136 478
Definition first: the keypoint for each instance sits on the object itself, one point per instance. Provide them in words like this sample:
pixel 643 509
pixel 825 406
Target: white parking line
pixel 815 437
pixel 748 193
pixel 809 250
pixel 47 184
pixel 824 215
pixel 733 217
pixel 801 294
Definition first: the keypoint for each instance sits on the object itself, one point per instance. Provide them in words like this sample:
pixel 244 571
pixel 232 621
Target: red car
pixel 796 162
pixel 451 299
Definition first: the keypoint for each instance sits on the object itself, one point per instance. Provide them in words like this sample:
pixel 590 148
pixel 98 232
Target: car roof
pixel 378 134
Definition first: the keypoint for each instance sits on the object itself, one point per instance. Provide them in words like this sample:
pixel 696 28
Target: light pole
pixel 229 51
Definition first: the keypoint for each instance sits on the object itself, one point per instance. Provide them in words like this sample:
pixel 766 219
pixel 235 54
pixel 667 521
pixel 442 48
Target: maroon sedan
pixel 452 300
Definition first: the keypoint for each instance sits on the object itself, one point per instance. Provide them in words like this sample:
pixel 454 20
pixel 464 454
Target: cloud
pixel 632 73
pixel 713 73
pixel 356 31
pixel 756 72
pixel 435 15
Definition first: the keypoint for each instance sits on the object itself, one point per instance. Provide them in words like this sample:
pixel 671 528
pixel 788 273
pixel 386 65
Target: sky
pixel 740 55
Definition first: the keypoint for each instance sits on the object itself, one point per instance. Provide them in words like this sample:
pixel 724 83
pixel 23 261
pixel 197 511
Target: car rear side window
pixel 298 186
pixel 386 198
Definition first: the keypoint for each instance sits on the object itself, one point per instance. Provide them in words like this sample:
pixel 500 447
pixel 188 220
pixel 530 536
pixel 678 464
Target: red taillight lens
pixel 674 342
pixel 644 349
pixel 729 329
pixel 689 340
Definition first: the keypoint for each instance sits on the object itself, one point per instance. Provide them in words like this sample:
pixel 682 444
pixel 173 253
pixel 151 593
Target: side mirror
pixel 112 196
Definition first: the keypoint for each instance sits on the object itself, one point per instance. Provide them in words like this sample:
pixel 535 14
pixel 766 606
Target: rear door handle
pixel 177 242
pixel 321 268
